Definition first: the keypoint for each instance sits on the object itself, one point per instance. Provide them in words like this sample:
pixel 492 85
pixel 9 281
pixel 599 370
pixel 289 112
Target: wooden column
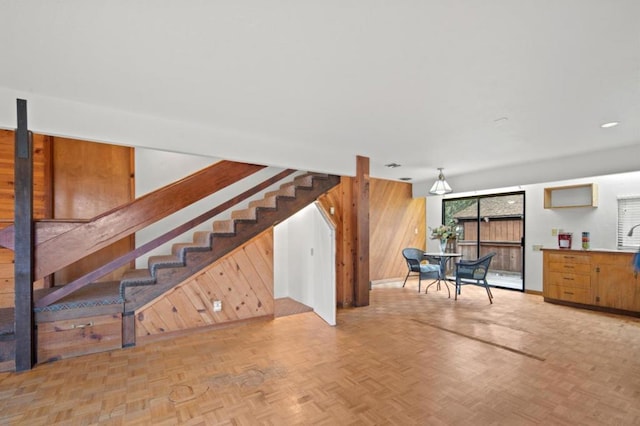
pixel 361 209
pixel 23 244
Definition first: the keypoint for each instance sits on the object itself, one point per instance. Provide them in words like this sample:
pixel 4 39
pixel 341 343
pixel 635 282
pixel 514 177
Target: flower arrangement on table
pixel 445 233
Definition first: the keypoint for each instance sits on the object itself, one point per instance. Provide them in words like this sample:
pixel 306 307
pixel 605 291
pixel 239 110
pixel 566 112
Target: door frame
pixel 479 220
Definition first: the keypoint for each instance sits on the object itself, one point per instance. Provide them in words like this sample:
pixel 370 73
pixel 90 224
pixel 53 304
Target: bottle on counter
pixel 585 241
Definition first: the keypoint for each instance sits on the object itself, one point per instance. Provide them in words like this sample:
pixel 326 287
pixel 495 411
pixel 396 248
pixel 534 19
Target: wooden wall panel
pixel 89 179
pixel 339 198
pixel 41 159
pixel 242 280
pixel 6 276
pixel 80 336
pixel 41 202
pixel 397 221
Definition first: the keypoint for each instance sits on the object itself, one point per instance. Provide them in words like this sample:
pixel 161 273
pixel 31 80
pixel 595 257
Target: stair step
pixel 305 180
pixel 245 214
pixel 265 203
pixel 202 241
pixel 96 294
pixel 137 276
pixel 286 190
pixel 224 227
pixel 203 238
pixel 168 261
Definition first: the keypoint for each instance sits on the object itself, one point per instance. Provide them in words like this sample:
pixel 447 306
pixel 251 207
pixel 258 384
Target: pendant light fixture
pixel 440 186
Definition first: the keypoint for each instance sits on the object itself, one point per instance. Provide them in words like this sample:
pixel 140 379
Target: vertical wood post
pixel 361 209
pixel 23 244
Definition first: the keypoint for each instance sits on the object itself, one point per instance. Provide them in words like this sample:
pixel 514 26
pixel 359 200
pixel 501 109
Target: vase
pixel 443 245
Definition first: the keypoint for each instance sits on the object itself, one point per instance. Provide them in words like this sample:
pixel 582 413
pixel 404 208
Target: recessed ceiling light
pixel 405 178
pixel 392 165
pixel 609 124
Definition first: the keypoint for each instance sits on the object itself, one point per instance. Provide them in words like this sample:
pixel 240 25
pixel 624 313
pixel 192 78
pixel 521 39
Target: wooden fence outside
pixel 503 236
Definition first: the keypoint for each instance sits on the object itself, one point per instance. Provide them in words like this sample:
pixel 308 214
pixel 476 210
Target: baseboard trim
pixel 143 340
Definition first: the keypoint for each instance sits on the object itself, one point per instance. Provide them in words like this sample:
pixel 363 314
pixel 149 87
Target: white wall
pixel 600 221
pixel 304 261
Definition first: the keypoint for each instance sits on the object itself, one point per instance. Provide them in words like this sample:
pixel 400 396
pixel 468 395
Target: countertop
pixel 593 250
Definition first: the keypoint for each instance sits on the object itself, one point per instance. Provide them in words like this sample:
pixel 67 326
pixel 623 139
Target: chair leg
pixel 456 291
pixel 486 286
pixel 405 278
pixel 419 282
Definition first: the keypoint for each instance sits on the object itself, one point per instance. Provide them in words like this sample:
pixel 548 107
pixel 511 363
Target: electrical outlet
pixel 537 247
pixel 217 305
pixel 554 232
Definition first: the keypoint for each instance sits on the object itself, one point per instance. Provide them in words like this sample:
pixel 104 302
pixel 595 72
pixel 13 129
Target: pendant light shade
pixel 440 186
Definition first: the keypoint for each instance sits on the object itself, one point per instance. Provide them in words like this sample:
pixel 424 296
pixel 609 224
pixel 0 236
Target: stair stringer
pixel 224 242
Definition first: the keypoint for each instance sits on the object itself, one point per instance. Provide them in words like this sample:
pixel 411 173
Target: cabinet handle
pixel 568 279
pixel 568 292
pixel 568 257
pixel 89 324
pixel 569 266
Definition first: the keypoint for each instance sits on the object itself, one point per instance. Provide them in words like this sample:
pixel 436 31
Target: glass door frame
pixel 479 219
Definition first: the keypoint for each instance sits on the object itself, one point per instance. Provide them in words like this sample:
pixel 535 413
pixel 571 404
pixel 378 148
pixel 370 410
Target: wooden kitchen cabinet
pixel 595 279
pixel 615 283
pixel 567 276
pixel 584 195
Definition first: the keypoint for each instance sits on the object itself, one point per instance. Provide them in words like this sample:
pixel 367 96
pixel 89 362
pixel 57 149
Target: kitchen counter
pixel 600 279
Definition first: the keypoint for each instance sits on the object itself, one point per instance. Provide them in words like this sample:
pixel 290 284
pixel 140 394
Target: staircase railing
pixel 168 236
pixel 64 249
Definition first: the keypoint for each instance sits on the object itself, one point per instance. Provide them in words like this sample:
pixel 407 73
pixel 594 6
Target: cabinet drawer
pixel 572 268
pixel 569 258
pixel 69 338
pixel 570 280
pixel 577 295
pixel 619 259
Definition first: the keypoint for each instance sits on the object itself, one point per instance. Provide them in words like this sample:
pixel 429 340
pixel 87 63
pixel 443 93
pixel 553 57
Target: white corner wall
pixel 304 262
pixel 600 221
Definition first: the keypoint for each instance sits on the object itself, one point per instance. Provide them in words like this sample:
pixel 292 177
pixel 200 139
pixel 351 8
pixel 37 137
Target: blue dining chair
pixel 474 272
pixel 414 258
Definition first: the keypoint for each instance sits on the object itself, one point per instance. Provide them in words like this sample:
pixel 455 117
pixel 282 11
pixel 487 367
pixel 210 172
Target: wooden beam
pixel 361 201
pixel 24 264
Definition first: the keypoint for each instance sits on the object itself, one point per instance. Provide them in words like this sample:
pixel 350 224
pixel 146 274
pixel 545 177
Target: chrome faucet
pixel 631 230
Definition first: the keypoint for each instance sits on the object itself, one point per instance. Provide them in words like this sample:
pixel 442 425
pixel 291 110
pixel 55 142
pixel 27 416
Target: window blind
pixel 628 217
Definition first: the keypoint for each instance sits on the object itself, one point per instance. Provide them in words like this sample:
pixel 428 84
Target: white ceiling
pixel 461 84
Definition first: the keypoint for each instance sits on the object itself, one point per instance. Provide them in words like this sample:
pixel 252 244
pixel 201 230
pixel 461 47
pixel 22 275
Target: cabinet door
pixel 617 285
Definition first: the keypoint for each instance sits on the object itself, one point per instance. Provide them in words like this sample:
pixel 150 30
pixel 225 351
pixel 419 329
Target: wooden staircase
pixel 100 316
pixel 139 286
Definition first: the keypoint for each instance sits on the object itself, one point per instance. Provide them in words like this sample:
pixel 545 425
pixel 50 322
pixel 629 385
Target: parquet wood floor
pixel 408 359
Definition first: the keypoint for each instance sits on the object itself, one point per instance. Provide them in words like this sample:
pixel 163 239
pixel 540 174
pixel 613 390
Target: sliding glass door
pixel 491 223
